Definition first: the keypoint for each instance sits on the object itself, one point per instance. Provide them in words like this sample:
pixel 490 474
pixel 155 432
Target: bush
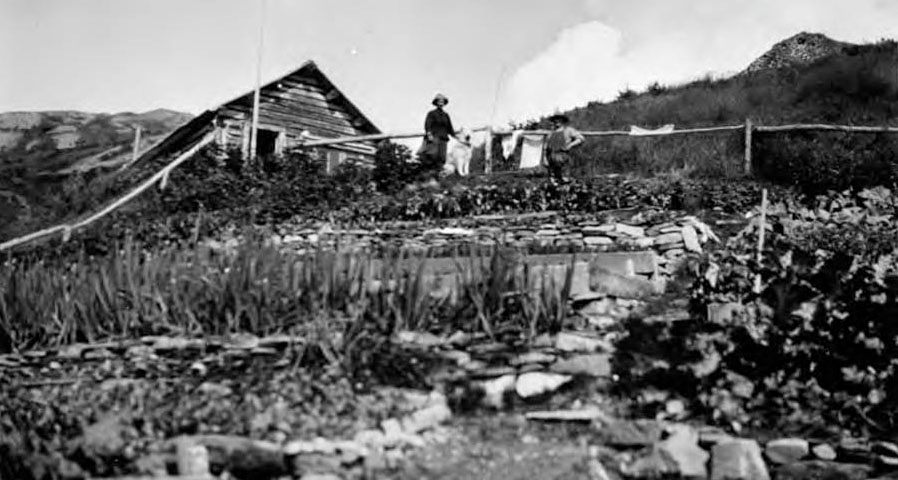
pixel 817 162
pixel 393 169
pixel 813 343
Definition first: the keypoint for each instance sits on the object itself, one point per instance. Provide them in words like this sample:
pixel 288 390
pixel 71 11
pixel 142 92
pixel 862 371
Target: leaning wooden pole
pixel 136 150
pixel 253 136
pixel 747 161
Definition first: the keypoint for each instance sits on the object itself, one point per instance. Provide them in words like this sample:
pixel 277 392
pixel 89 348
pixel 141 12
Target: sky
pixel 496 60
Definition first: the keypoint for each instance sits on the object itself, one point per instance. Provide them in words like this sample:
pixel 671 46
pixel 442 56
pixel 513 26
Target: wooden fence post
pixel 747 165
pixel 136 144
pixel 488 152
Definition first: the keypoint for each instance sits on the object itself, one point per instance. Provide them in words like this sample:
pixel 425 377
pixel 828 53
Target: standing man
pixel 437 130
pixel 558 147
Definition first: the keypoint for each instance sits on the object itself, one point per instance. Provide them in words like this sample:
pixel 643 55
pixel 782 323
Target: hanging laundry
pixel 639 132
pixel 509 143
pixel 532 151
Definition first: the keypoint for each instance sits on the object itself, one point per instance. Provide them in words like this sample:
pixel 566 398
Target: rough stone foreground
pixel 566 431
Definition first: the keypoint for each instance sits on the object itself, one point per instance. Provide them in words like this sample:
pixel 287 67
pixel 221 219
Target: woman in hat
pixel 559 144
pixel 437 130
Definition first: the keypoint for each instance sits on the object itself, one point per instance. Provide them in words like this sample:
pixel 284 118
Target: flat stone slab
pixel 617 262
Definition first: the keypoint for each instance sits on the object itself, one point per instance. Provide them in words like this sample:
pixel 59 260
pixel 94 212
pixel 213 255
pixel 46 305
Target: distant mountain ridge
pixel 54 140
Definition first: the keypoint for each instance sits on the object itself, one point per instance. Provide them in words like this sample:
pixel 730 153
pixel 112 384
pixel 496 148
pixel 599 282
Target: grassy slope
pixel 860 87
pixel 30 198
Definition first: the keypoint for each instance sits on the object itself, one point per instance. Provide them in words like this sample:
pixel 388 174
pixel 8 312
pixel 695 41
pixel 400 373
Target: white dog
pixel 458 155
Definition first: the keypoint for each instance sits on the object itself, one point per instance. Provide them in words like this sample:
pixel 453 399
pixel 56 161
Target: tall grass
pixel 262 290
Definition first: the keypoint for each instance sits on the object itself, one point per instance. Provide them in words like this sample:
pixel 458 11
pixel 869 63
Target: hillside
pixel 48 158
pixel 56 140
pixel 807 78
pixel 851 84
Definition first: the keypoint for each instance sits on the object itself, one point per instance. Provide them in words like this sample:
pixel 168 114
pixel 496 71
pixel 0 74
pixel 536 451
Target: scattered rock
pixel 655 463
pixel 496 389
pixel 666 239
pixel 588 414
pixel 597 241
pixel 192 459
pixel 533 384
pixel 427 418
pixel 675 408
pixel 786 450
pixel 824 452
pixel 605 281
pixel 886 449
pixel 419 339
pixel 690 239
pixel 630 433
pixel 854 450
pixel 682 447
pixel 595 365
pixel 598 229
pixel 596 470
pixel 102 441
pixel 242 457
pixel 817 469
pixel 533 357
pixel 738 459
pixel 636 232
pixel 575 342
pixel 710 436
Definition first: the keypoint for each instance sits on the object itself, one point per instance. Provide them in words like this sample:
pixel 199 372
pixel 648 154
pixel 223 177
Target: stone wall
pixel 670 236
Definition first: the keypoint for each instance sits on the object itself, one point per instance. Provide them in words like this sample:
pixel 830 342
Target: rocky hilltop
pixel 801 49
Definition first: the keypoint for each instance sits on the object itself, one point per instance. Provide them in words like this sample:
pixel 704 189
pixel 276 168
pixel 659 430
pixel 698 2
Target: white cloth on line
pixel 532 151
pixel 510 142
pixel 638 132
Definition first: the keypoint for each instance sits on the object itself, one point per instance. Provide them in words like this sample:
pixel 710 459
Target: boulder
pixel 427 418
pixel 824 452
pixel 630 433
pixel 682 447
pixel 597 241
pixel 690 239
pixel 533 384
pixel 636 232
pixel 671 238
pixel 575 342
pixel 594 365
pixel 605 281
pixel 494 390
pixel 786 450
pixel 817 469
pixel 738 459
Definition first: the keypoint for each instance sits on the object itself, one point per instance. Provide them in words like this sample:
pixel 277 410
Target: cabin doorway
pixel 266 142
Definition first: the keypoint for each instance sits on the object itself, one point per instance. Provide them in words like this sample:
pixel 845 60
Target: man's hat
pixel 559 117
pixel 439 97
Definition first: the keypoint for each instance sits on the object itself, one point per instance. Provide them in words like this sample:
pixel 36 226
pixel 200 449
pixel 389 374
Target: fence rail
pixel 162 175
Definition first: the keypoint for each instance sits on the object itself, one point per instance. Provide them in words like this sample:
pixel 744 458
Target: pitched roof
pixel 193 130
pixel 311 68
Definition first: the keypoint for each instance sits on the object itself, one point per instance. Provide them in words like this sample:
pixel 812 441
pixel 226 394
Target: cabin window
pixel 267 142
pixel 334 159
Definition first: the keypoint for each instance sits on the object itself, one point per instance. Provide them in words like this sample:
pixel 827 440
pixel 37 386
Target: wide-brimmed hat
pixel 560 117
pixel 439 97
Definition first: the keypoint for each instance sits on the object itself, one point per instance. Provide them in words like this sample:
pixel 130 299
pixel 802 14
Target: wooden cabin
pixel 303 105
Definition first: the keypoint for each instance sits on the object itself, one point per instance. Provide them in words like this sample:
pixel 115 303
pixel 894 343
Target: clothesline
pixel 162 175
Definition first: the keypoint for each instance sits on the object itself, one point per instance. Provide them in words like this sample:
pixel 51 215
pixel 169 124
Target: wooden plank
pixel 299 123
pixel 293 111
pixel 837 128
pixel 746 167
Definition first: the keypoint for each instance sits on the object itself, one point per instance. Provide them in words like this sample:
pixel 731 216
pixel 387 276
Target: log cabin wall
pixel 304 100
